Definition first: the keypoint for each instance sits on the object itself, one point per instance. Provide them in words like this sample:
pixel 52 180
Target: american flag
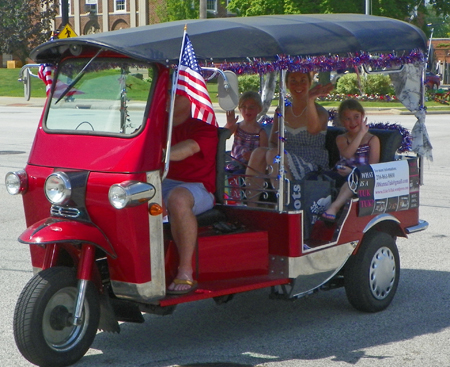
pixel 191 84
pixel 45 73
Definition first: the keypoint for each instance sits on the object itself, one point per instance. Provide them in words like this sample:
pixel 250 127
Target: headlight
pixel 130 193
pixel 16 182
pixel 58 188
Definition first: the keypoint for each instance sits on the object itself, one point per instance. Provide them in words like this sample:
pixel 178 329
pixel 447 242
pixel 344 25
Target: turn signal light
pixel 155 209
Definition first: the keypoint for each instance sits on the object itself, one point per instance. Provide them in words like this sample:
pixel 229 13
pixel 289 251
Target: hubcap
pixel 57 328
pixel 382 273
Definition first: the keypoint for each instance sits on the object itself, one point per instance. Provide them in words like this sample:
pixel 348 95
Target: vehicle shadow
pixel 253 329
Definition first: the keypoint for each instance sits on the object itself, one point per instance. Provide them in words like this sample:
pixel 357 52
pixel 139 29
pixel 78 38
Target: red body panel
pixel 226 256
pixel 127 229
pixel 284 230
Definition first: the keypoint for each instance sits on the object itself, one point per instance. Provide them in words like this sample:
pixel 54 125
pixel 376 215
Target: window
pixel 211 6
pixel 91 7
pixel 119 6
pixel 108 98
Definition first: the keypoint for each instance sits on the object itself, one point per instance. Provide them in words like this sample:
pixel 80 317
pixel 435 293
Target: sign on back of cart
pixel 387 187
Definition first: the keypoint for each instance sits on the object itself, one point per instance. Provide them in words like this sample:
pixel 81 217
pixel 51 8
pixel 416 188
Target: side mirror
pixel 228 91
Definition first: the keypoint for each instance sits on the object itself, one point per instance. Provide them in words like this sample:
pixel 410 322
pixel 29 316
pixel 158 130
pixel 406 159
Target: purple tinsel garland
pixel 321 63
pixel 406 136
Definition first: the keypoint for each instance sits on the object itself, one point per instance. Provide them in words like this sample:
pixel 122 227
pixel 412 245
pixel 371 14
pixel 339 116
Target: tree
pixel 409 10
pixel 171 10
pixel 439 24
pixel 24 25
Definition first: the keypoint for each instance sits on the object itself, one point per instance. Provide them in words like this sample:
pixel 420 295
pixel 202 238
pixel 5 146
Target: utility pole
pixel 367 7
pixel 64 13
pixel 202 14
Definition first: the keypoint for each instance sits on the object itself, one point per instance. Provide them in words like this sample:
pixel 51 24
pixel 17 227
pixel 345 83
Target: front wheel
pixel 371 276
pixel 43 327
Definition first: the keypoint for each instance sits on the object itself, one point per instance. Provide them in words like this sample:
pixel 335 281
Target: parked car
pixel 432 81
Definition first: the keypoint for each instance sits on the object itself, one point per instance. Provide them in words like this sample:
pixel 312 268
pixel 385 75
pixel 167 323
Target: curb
pixel 40 102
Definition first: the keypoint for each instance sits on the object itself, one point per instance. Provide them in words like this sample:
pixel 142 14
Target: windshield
pixel 104 96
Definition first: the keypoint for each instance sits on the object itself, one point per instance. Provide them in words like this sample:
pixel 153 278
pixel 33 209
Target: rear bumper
pixel 421 226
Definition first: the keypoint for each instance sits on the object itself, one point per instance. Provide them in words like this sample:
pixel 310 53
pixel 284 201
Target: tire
pixel 371 275
pixel 42 328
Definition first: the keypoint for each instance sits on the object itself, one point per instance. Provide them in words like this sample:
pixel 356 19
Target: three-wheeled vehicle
pixel 100 249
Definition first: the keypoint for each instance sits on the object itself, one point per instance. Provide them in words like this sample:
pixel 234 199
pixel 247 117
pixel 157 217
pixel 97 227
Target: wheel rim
pixel 382 273
pixel 59 332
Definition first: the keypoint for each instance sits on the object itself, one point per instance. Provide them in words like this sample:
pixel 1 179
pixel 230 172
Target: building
pixel 441 58
pixel 93 16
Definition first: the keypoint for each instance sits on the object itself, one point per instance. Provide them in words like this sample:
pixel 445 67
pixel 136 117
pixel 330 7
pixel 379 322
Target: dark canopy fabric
pixel 235 39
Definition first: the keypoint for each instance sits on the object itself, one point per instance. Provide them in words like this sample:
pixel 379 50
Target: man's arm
pixel 184 149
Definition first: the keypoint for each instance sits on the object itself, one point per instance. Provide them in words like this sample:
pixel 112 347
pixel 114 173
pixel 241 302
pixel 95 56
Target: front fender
pixel 61 230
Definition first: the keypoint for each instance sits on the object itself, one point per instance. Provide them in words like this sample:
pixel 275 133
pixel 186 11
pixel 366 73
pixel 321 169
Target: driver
pixel 189 186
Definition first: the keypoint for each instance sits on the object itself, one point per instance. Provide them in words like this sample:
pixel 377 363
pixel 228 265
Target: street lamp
pixel 367 7
pixel 429 45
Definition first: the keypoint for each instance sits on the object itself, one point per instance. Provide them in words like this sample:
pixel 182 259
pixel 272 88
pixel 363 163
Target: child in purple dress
pixel 248 134
pixel 356 147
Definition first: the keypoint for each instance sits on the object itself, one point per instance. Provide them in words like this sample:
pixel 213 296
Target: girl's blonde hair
pixel 350 104
pixel 250 95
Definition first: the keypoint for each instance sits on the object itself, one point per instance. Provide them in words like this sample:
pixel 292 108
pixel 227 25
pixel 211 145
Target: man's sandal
pixel 176 281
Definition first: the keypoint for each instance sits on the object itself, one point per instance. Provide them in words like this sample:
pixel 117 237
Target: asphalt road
pixel 321 330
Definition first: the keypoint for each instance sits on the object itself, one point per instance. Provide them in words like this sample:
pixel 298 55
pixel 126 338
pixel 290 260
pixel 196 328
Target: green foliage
pixel 372 84
pixel 256 7
pixel 171 10
pixel 348 84
pixel 400 9
pixel 24 25
pixel 248 83
pixel 440 24
pixel 378 84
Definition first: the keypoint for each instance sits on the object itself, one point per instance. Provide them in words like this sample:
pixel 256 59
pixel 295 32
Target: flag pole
pixel 172 107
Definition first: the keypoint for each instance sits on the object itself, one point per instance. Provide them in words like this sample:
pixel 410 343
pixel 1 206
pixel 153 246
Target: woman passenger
pixel 305 130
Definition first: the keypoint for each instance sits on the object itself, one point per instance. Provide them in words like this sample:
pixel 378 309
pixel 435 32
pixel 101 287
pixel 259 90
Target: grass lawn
pixel 9 86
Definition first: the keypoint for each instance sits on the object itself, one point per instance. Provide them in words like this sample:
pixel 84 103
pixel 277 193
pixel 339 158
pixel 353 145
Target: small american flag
pixel 191 84
pixel 45 73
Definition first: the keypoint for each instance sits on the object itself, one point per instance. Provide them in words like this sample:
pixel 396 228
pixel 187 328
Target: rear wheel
pixel 43 327
pixel 372 275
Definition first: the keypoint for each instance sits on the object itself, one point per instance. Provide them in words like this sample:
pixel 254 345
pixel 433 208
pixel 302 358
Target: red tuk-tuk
pixel 100 249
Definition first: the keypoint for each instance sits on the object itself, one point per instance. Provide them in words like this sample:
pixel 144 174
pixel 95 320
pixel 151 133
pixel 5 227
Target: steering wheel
pixel 85 122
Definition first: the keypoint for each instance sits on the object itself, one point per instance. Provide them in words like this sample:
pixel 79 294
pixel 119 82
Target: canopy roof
pixel 264 37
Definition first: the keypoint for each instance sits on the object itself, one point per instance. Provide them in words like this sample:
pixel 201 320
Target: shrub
pixel 348 84
pixel 378 84
pixel 372 84
pixel 248 82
